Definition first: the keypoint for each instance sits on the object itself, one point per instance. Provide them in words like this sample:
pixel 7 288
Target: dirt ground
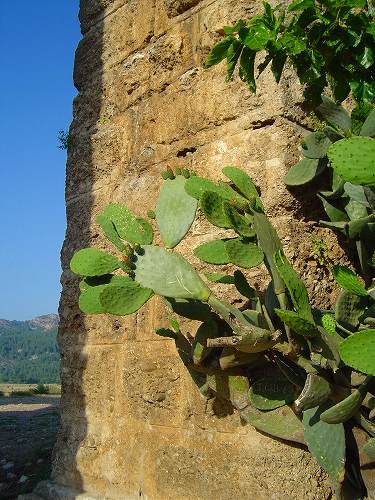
pixel 28 428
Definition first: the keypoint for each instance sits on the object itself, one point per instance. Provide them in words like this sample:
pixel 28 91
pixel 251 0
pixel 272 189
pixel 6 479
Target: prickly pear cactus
pixel 307 355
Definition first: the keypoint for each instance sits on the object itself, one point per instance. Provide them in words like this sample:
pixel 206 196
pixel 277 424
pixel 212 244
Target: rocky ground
pixel 28 428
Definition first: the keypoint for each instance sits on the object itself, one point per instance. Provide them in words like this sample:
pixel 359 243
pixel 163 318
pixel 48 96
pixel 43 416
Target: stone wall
pixel 133 423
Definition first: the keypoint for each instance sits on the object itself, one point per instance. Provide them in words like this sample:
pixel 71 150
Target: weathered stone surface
pixel 134 425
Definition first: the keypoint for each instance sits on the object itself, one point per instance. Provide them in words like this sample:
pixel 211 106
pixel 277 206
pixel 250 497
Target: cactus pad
pixel 358 351
pixel 242 181
pixel 368 128
pixel 348 280
pixel 345 409
pixel 270 393
pixel 354 160
pixel 212 205
pixel 326 442
pixel 297 323
pixel 315 145
pixel 243 287
pixel 169 274
pixel 281 423
pixel 175 211
pixel 109 230
pixel 226 279
pixel 369 448
pixel 200 350
pixel 349 308
pixel 238 222
pixel 335 114
pixel 243 254
pixel 315 392
pixel 124 300
pixel 93 262
pixel 295 286
pixel 304 171
pixel 129 227
pixel 213 252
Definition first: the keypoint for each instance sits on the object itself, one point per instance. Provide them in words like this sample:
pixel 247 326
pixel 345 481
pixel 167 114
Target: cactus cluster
pixel 286 367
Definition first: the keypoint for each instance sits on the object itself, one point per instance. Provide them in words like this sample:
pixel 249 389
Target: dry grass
pixel 26 389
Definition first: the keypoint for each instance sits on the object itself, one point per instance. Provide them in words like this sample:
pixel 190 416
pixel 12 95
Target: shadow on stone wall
pixel 72 337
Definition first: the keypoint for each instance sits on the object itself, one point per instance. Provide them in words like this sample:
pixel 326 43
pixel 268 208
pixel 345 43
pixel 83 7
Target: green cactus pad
pixel 295 286
pixel 328 322
pixel 175 211
pixel 354 160
pixel 368 128
pixel 369 448
pixel 169 274
pixel 230 358
pixel 124 300
pixel 348 280
pixel 242 181
pixel 213 252
pixel 349 308
pixel 191 309
pixel 281 423
pixel 358 351
pixel 345 409
pixel 238 222
pixel 335 114
pixel 93 262
pixel 315 392
pixel 315 145
pixel 243 254
pixel 270 393
pixel 226 279
pixel 212 205
pixel 243 287
pixel 304 171
pixel 233 388
pixel 109 230
pixel 196 186
pixel 89 300
pixel 297 323
pixel 200 351
pixel 269 242
pixel 129 227
pixel 326 442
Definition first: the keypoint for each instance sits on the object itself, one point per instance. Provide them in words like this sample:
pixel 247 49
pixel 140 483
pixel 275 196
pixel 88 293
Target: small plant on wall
pixel 292 371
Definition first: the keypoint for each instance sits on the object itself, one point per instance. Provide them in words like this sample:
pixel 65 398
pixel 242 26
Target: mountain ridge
pixel 46 322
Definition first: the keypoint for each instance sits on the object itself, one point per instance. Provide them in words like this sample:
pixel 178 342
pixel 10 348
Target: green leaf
pixel 296 323
pixel 366 58
pixel 270 393
pixel 109 230
pixel 363 92
pixel 93 262
pixel 326 442
pixel 304 171
pixel 354 160
pixel 335 114
pixel 358 351
pixel 169 274
pixel 295 286
pixel 218 52
pixel 247 61
pixel 242 182
pixel 133 229
pixel 243 254
pixel 257 36
pixel 175 211
pixel 233 54
pixel 122 301
pixel 335 213
pixel 348 280
pixel 281 423
pixel 91 288
pixel 301 5
pixel 213 252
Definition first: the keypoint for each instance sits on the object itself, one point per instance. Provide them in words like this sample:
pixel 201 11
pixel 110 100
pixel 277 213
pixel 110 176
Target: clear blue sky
pixel 37 43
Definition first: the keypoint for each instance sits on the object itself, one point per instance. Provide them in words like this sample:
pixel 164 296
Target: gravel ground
pixel 28 428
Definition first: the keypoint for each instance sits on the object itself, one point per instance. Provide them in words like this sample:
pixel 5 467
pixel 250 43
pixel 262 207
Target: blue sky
pixel 37 42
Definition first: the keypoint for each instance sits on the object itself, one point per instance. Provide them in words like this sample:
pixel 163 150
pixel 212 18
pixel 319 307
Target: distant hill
pixel 28 351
